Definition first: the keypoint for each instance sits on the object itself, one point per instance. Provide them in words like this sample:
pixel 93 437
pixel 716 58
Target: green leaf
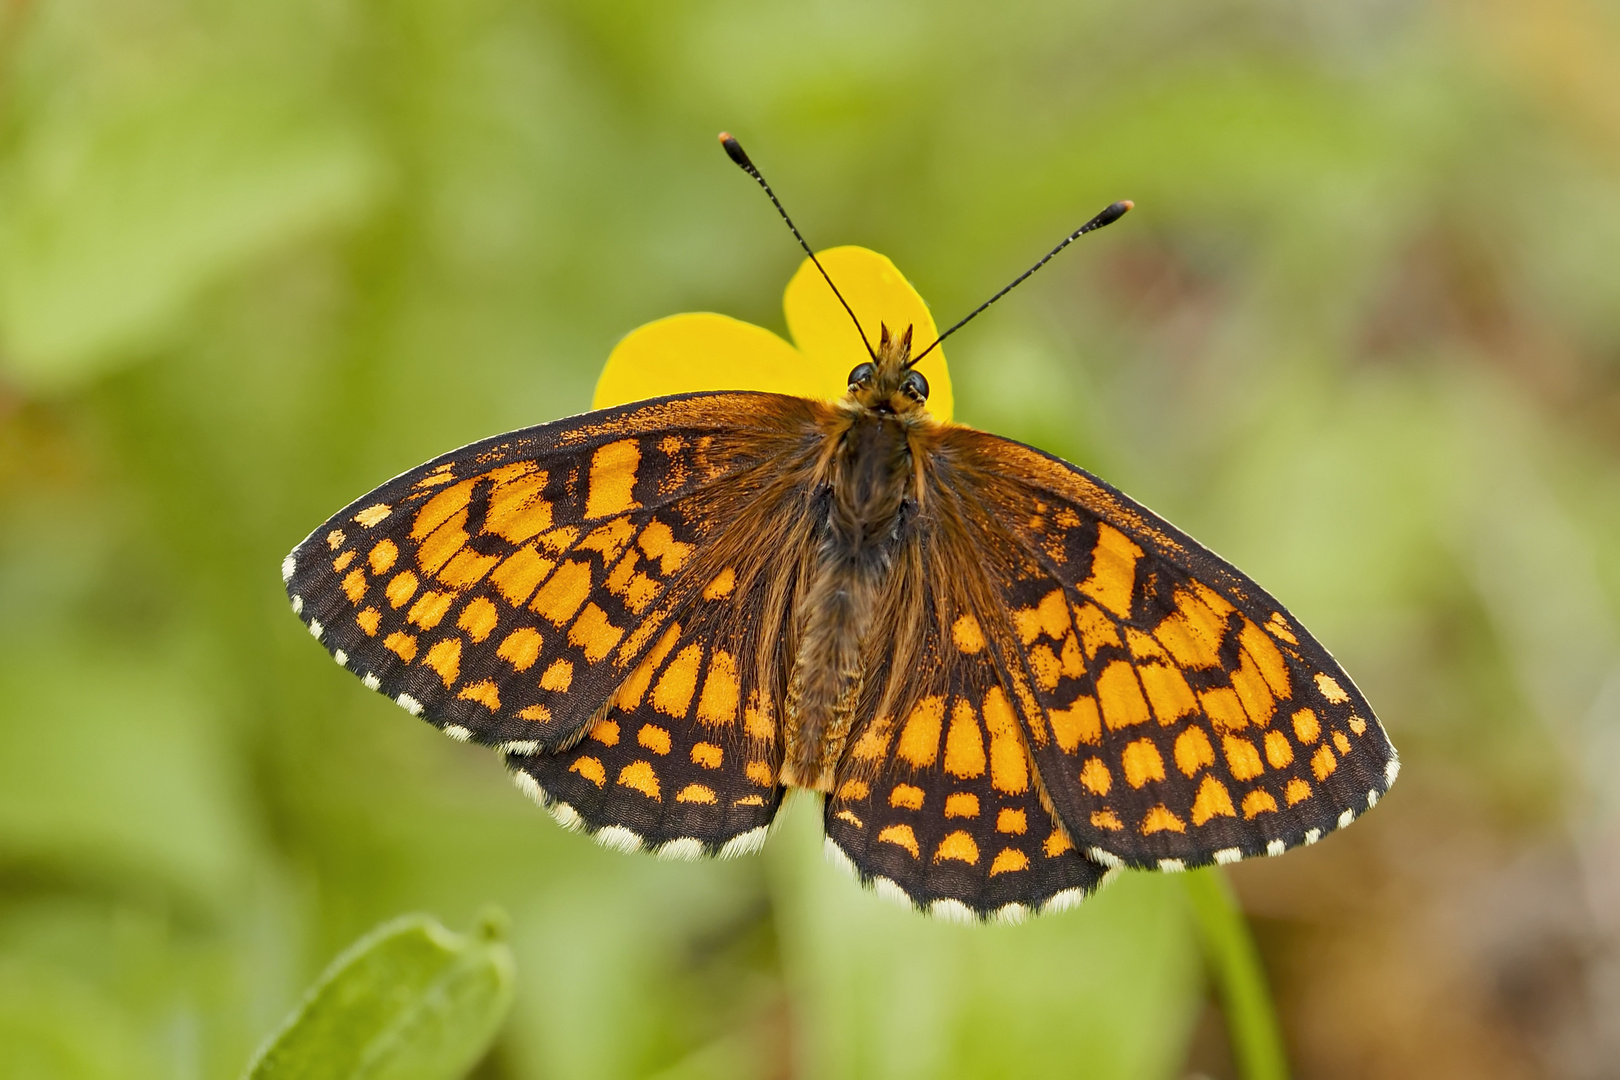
pixel 409 1001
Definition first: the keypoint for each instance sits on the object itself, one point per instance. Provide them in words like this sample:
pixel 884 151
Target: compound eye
pixel 915 386
pixel 861 375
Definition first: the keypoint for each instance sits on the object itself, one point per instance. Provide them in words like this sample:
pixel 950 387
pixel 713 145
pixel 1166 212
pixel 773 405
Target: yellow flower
pixel 704 351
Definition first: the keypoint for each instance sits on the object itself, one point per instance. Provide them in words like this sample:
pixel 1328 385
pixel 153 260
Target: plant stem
pixel 1234 963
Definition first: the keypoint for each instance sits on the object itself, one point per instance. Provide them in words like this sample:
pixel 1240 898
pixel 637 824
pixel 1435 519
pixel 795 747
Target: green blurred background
pixel 1361 335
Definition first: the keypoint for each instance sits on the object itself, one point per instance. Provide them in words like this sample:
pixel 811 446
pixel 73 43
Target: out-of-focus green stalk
pixel 1251 1022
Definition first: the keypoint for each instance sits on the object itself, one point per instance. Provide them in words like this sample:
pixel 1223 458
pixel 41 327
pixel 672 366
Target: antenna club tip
pixel 734 149
pixel 1129 204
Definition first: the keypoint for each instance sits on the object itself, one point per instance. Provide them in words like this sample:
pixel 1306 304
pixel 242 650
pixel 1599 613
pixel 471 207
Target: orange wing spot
pixel 404 646
pixel 563 593
pixel 964 743
pixel 1241 758
pixel 610 539
pixel 373 514
pixel 1298 791
pixel 467 568
pixel 759 800
pixel 919 739
pixel 1168 692
pixel 520 648
pixel 558 676
pixel 718 702
pixel 673 694
pixel 854 790
pixel 606 732
pixel 429 608
pixel 341 563
pixel 1268 659
pixel 1224 709
pixel 1331 689
pixel 658 541
pixel 593 635
pixel 630 692
pixel 967 634
pixel 444 542
pixel 1213 801
pixel 842 815
pixel 1096 629
pixel 708 755
pixel 1306 726
pixel 1049 617
pixel 1217 603
pixel 902 836
pixel 558 541
pixel 1071 663
pixel 1008 860
pixel 697 793
pixel 538 713
pixel 401 588
pixel 1161 819
pixel 1141 762
pixel 479 618
pixel 1323 762
pixel 383 556
pixel 1121 696
pixel 758 720
pixel 640 776
pixel 1252 691
pixel 1257 802
pixel 654 738
pixel 1043 662
pixel 1358 725
pixel 721 586
pixel 873 742
pixel 591 769
pixel 1143 647
pixel 485 693
pixel 1113 571
pixel 1195 632
pixel 760 773
pixel 958 846
pixel 516 512
pixel 1009 764
pixel 906 797
pixel 1193 751
pixel 613 479
pixel 517 577
pixel 1012 822
pixel 368 620
pixel 1079 723
pixel 1278 625
pixel 1102 819
pixel 959 804
pixel 1058 842
pixel 1278 752
pixel 445 658
pixel 334 539
pixel 354 586
pixel 1096 777
pixel 1341 742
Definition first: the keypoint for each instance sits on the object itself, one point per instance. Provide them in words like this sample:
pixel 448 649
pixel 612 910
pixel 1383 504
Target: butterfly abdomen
pixel 868 481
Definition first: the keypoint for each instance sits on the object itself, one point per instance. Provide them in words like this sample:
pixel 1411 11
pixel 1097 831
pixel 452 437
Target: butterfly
pixel 1007 679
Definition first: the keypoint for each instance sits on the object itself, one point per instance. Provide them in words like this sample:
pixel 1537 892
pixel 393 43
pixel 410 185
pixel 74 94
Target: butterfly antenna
pixel 735 151
pixel 1107 217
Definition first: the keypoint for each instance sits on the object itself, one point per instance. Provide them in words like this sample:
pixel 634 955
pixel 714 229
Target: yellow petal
pixel 880 294
pixel 703 351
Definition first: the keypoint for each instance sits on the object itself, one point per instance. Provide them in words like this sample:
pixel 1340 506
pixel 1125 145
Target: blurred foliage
pixel 1361 335
pixel 409 1001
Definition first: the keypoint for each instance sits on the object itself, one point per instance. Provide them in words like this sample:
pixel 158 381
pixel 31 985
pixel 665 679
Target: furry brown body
pixel 869 487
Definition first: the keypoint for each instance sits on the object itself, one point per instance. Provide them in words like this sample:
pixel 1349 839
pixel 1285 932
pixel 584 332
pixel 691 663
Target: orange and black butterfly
pixel 1006 677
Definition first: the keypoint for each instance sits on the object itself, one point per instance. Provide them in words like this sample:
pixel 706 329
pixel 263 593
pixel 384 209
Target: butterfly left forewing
pixel 504 591
pixel 1177 715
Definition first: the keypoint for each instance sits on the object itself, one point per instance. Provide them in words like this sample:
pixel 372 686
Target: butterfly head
pixel 890 384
